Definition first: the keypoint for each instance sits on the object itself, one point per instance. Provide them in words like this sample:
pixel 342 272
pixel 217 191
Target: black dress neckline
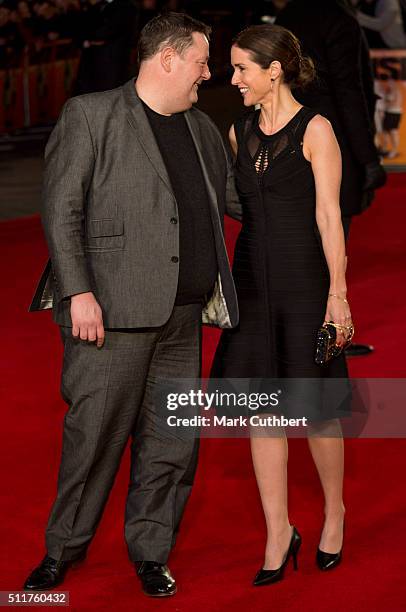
pixel 264 136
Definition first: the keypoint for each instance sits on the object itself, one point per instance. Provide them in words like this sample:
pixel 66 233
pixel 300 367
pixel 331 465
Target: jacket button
pixel 175 259
pixel 174 220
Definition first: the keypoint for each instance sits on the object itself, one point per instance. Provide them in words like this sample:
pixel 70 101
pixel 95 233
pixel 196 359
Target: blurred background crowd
pixel 35 25
pixel 52 49
pixel 77 25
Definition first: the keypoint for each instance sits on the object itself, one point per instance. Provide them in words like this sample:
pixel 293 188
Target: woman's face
pixel 253 81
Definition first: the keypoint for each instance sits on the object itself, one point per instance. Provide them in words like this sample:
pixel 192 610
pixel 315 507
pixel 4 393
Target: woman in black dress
pixel 289 270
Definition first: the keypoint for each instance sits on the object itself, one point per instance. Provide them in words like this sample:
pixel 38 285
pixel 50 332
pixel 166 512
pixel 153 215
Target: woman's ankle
pixel 279 531
pixel 334 512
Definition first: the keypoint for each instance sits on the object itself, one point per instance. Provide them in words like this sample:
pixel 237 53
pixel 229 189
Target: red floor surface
pixel 222 540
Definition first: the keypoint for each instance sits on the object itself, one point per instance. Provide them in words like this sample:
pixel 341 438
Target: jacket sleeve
pixel 343 50
pixel 381 21
pixel 69 163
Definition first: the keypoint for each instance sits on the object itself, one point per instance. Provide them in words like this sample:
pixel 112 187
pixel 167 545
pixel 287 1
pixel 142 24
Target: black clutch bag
pixel 326 347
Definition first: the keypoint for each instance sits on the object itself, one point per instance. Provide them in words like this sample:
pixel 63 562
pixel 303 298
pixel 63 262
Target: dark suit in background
pixel 343 92
pixel 107 35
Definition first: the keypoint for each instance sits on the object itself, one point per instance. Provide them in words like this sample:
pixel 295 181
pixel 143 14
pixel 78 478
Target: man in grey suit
pixel 136 186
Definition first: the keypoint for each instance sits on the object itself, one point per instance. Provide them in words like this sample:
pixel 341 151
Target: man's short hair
pixel 169 30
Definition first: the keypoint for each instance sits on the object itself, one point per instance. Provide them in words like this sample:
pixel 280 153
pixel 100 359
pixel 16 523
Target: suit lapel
pixel 139 121
pixel 204 157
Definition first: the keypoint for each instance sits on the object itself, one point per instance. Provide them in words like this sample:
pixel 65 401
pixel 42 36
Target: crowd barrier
pixel 34 92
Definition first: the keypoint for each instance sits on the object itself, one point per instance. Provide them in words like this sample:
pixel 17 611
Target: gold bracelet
pixel 338 297
pixel 341 327
pixel 349 328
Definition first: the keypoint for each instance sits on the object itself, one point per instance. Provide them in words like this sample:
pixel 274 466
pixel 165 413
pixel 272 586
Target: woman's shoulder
pixel 310 120
pixel 318 125
pixel 319 135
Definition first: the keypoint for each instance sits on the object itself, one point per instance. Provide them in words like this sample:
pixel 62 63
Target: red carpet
pixel 221 544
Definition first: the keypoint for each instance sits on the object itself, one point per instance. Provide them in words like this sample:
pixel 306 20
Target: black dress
pixel 280 271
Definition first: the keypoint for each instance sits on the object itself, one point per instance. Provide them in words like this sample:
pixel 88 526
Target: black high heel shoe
pixel 264 577
pixel 328 561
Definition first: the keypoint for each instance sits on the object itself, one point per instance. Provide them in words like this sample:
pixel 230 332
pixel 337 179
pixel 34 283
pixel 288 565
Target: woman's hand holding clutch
pixel 338 313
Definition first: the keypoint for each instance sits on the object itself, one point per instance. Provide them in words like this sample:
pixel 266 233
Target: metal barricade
pixel 34 92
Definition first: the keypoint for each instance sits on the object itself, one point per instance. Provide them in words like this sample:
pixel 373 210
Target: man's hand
pixel 87 320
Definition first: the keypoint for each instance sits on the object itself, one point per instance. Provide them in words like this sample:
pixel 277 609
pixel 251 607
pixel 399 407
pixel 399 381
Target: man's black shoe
pixel 156 579
pixel 48 575
pixel 357 350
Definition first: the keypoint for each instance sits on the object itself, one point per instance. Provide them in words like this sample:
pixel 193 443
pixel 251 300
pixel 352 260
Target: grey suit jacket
pixel 107 209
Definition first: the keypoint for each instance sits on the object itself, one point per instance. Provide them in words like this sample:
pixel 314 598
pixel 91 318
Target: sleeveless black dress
pixel 280 271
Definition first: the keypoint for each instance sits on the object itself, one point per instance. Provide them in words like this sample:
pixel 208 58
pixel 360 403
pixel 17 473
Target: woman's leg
pixel 327 449
pixel 270 458
pixel 394 140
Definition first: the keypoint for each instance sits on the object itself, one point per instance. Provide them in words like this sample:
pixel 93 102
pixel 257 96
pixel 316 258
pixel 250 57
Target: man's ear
pixel 166 58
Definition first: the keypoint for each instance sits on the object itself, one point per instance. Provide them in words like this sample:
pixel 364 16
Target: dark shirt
pixel 197 253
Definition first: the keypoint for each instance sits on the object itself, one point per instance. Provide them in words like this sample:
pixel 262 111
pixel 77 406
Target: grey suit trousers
pixel 110 393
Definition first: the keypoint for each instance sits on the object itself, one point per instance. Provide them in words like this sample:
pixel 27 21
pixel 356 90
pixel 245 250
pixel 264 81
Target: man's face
pixel 189 70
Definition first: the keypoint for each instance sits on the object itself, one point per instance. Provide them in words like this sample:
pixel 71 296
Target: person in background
pixel 387 22
pixel 373 38
pixel 11 39
pixel 344 94
pixel 147 10
pixel 25 21
pixel 107 38
pixel 380 137
pixel 392 117
pixel 47 22
pixel 69 12
pixel 266 11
